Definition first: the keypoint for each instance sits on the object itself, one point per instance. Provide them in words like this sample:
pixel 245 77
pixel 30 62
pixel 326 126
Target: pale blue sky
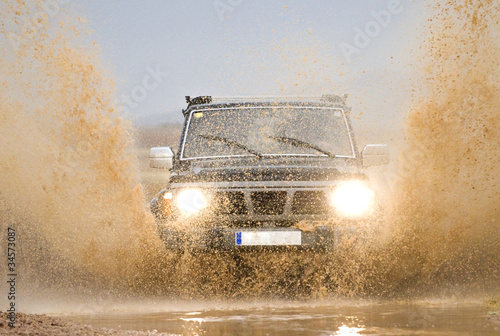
pixel 256 48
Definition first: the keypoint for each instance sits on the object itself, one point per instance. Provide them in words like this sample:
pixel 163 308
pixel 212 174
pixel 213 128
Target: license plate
pixel 268 238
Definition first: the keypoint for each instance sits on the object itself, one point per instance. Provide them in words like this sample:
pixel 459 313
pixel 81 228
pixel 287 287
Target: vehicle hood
pixel 262 172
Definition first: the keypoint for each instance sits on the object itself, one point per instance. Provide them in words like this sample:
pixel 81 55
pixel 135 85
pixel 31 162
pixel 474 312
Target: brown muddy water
pixel 312 318
pixel 71 186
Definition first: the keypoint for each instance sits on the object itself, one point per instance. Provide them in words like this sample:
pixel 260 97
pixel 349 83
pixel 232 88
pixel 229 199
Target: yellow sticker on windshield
pixel 198 115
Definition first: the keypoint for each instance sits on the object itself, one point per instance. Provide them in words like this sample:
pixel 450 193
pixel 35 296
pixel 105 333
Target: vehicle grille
pixel 230 203
pixel 309 203
pixel 269 202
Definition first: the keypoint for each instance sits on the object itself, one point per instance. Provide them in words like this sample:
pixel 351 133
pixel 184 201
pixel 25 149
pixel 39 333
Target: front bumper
pixel 217 238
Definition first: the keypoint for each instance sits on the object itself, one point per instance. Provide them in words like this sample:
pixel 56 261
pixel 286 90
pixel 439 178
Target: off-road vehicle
pixel 263 172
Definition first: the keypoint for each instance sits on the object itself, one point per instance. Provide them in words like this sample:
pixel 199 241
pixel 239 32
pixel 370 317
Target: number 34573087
pixel 11 251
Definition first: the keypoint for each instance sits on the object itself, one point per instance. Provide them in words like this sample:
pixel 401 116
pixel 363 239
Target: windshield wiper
pixel 302 144
pixel 230 143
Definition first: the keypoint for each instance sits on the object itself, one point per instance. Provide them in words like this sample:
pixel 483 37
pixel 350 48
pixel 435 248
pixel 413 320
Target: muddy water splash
pixel 445 213
pixel 449 213
pixel 445 210
pixel 67 175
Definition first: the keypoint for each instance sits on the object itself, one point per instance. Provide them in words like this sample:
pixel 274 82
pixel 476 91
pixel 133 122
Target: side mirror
pixel 375 155
pixel 161 157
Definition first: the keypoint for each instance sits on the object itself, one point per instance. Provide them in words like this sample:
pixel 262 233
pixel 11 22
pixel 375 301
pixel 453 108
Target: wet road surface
pixel 366 319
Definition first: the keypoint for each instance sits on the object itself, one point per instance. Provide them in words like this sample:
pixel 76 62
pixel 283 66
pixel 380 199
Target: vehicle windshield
pixel 267 131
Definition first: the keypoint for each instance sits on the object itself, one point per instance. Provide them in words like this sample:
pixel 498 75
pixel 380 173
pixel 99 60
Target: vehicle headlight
pixel 353 199
pixel 190 200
